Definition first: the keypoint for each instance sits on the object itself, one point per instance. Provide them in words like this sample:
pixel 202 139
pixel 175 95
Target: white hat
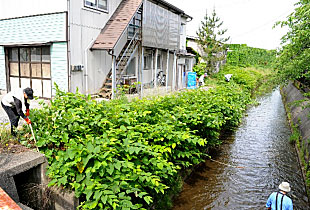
pixel 285 186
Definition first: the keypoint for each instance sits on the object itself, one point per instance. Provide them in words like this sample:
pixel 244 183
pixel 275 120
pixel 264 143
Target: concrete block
pixel 64 199
pixel 18 163
pixel 24 207
pixel 8 185
pixel 14 164
pixel 23 177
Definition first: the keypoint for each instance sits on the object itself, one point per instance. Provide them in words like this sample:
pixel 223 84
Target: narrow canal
pixel 258 157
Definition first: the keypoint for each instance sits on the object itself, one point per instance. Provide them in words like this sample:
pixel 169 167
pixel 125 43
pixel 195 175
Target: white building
pixel 92 45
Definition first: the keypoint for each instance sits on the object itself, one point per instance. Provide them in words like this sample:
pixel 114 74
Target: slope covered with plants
pixel 245 56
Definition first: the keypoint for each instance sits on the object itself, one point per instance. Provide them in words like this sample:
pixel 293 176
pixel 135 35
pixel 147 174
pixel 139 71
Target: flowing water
pixel 250 165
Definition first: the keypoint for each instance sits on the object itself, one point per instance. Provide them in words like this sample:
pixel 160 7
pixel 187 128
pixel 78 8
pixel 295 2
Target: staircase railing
pixel 134 38
pixel 130 49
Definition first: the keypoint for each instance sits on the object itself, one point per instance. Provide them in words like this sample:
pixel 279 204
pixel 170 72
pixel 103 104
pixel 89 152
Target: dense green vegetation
pixel 241 55
pixel 293 63
pixel 245 56
pixel 294 60
pixel 121 155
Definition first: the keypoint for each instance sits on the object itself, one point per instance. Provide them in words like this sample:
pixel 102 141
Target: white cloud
pixel 248 21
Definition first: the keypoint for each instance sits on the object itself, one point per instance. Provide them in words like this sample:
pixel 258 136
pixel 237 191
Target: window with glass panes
pixel 30 67
pixel 97 4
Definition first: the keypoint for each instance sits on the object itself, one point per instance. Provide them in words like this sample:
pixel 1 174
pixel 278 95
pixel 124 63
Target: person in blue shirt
pixel 279 200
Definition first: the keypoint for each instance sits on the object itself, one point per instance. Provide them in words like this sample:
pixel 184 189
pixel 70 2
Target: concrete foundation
pixel 23 178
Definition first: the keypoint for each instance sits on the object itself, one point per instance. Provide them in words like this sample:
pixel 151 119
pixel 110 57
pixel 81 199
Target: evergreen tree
pixel 210 39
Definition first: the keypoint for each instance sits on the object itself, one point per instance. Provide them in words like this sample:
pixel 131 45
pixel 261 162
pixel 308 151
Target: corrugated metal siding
pixel 35 29
pixel 161 27
pixel 59 66
pixel 2 69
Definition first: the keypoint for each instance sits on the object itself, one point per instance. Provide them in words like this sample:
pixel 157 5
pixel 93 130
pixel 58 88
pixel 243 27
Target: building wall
pixel 161 27
pixel 100 63
pixel 19 8
pixel 59 66
pixel 2 69
pixel 85 24
pixel 39 29
pixel 183 34
pixel 194 45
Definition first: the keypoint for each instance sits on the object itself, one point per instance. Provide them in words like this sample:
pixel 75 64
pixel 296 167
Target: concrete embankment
pixel 23 179
pixel 298 112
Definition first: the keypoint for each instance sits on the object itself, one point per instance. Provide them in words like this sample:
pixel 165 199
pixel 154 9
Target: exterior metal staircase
pixel 122 62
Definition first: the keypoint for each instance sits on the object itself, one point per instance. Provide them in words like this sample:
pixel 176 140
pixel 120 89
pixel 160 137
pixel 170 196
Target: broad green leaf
pixel 104 199
pixel 110 169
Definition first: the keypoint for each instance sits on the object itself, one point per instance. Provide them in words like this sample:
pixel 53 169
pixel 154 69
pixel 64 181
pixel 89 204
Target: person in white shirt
pixel 202 79
pixel 15 103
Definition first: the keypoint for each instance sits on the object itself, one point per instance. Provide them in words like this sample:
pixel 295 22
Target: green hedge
pixel 121 155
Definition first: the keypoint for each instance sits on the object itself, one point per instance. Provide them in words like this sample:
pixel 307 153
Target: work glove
pixel 28 121
pixel 27 113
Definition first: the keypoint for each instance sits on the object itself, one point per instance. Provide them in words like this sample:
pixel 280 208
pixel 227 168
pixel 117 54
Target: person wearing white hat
pixel 279 200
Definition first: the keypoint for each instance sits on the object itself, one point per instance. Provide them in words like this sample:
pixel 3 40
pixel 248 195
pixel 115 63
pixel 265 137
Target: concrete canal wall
pixel 23 178
pixel 298 112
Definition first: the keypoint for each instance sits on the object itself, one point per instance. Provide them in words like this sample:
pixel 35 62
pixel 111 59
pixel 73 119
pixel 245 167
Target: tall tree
pixel 294 59
pixel 211 40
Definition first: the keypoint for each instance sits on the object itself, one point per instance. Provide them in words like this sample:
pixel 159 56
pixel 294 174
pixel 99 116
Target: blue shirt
pixel 286 205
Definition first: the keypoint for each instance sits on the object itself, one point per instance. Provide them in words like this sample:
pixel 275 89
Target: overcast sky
pixel 248 21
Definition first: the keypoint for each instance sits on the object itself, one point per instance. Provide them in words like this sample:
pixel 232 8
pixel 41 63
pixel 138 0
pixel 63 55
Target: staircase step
pixel 105 89
pixel 106 95
pixel 108 85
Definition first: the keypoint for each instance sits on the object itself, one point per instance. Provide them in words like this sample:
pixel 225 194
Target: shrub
pixel 120 155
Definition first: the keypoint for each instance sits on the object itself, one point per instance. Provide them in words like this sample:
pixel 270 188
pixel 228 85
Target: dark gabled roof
pixel 117 24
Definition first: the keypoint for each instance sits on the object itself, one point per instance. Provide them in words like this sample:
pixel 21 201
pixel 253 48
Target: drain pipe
pixel 111 52
pixel 86 65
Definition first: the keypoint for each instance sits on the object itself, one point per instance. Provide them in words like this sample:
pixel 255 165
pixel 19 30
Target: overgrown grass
pixel 5 134
pixel 259 80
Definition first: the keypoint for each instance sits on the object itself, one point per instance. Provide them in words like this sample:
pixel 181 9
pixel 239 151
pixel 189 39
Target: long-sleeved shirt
pixel 16 99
